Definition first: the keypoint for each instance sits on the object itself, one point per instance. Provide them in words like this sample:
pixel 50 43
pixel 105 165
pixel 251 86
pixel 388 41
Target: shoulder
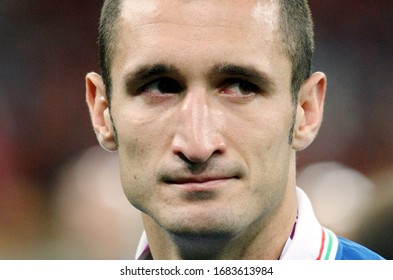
pixel 349 250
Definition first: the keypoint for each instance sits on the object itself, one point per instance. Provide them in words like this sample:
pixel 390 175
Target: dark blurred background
pixel 60 197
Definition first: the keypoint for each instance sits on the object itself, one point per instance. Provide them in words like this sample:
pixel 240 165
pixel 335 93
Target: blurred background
pixel 60 195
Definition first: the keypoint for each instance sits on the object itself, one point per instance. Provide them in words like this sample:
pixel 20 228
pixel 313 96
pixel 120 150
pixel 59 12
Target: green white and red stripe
pixel 310 240
pixel 329 245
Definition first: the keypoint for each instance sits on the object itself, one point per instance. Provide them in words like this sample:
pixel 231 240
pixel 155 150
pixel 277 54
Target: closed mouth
pixel 200 184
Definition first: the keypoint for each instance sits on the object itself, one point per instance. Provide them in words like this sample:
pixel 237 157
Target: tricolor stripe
pixel 328 247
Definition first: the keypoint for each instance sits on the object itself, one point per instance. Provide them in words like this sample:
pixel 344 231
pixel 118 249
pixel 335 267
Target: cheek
pixel 138 137
pixel 263 143
pixel 132 152
pixel 142 143
pixel 260 134
pixel 131 160
pixel 136 171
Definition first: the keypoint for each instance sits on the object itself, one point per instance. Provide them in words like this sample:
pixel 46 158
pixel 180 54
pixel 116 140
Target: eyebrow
pixel 248 72
pixel 147 71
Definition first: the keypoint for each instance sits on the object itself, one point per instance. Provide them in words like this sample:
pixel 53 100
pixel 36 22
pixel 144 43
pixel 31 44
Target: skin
pixel 201 115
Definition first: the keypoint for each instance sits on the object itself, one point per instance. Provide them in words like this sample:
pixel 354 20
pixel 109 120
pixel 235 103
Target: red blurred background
pixel 49 206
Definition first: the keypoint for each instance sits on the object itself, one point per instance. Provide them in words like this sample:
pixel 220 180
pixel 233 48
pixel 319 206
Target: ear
pixel 99 111
pixel 309 110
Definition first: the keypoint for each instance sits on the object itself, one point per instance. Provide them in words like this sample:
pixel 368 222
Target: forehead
pixel 195 30
pixel 228 12
pixel 248 17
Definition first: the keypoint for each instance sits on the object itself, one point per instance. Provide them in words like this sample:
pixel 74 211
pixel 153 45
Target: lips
pixel 201 183
pixel 197 180
pixel 207 177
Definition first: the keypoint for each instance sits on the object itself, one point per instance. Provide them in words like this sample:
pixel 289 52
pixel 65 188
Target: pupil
pixel 168 86
pixel 245 88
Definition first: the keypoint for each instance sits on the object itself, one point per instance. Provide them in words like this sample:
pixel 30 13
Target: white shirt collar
pixel 311 241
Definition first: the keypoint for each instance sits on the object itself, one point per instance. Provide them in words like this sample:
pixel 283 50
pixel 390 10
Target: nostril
pixel 194 152
pixel 184 158
pixel 192 159
pixel 193 165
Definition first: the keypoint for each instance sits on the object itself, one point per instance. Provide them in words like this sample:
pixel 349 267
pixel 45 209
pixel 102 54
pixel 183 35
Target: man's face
pixel 202 107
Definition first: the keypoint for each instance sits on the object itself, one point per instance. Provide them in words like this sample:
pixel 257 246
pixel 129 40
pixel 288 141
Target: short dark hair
pixel 107 32
pixel 295 24
pixel 297 32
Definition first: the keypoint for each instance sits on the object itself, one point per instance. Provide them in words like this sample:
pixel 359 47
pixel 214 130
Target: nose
pixel 198 136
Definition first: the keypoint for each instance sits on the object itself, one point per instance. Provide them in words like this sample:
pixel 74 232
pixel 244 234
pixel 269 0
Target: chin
pixel 199 244
pixel 204 223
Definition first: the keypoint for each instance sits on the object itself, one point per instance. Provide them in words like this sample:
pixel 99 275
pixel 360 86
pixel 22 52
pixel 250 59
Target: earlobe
pixel 99 111
pixel 309 110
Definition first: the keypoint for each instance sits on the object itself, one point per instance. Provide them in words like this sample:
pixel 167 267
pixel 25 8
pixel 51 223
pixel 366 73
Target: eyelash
pixel 167 85
pixel 248 86
pixel 166 80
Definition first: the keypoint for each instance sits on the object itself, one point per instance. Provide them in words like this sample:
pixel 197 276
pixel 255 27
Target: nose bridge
pixel 195 117
pixel 196 136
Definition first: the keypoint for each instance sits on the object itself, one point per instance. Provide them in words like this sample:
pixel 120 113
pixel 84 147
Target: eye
pixel 239 88
pixel 161 86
